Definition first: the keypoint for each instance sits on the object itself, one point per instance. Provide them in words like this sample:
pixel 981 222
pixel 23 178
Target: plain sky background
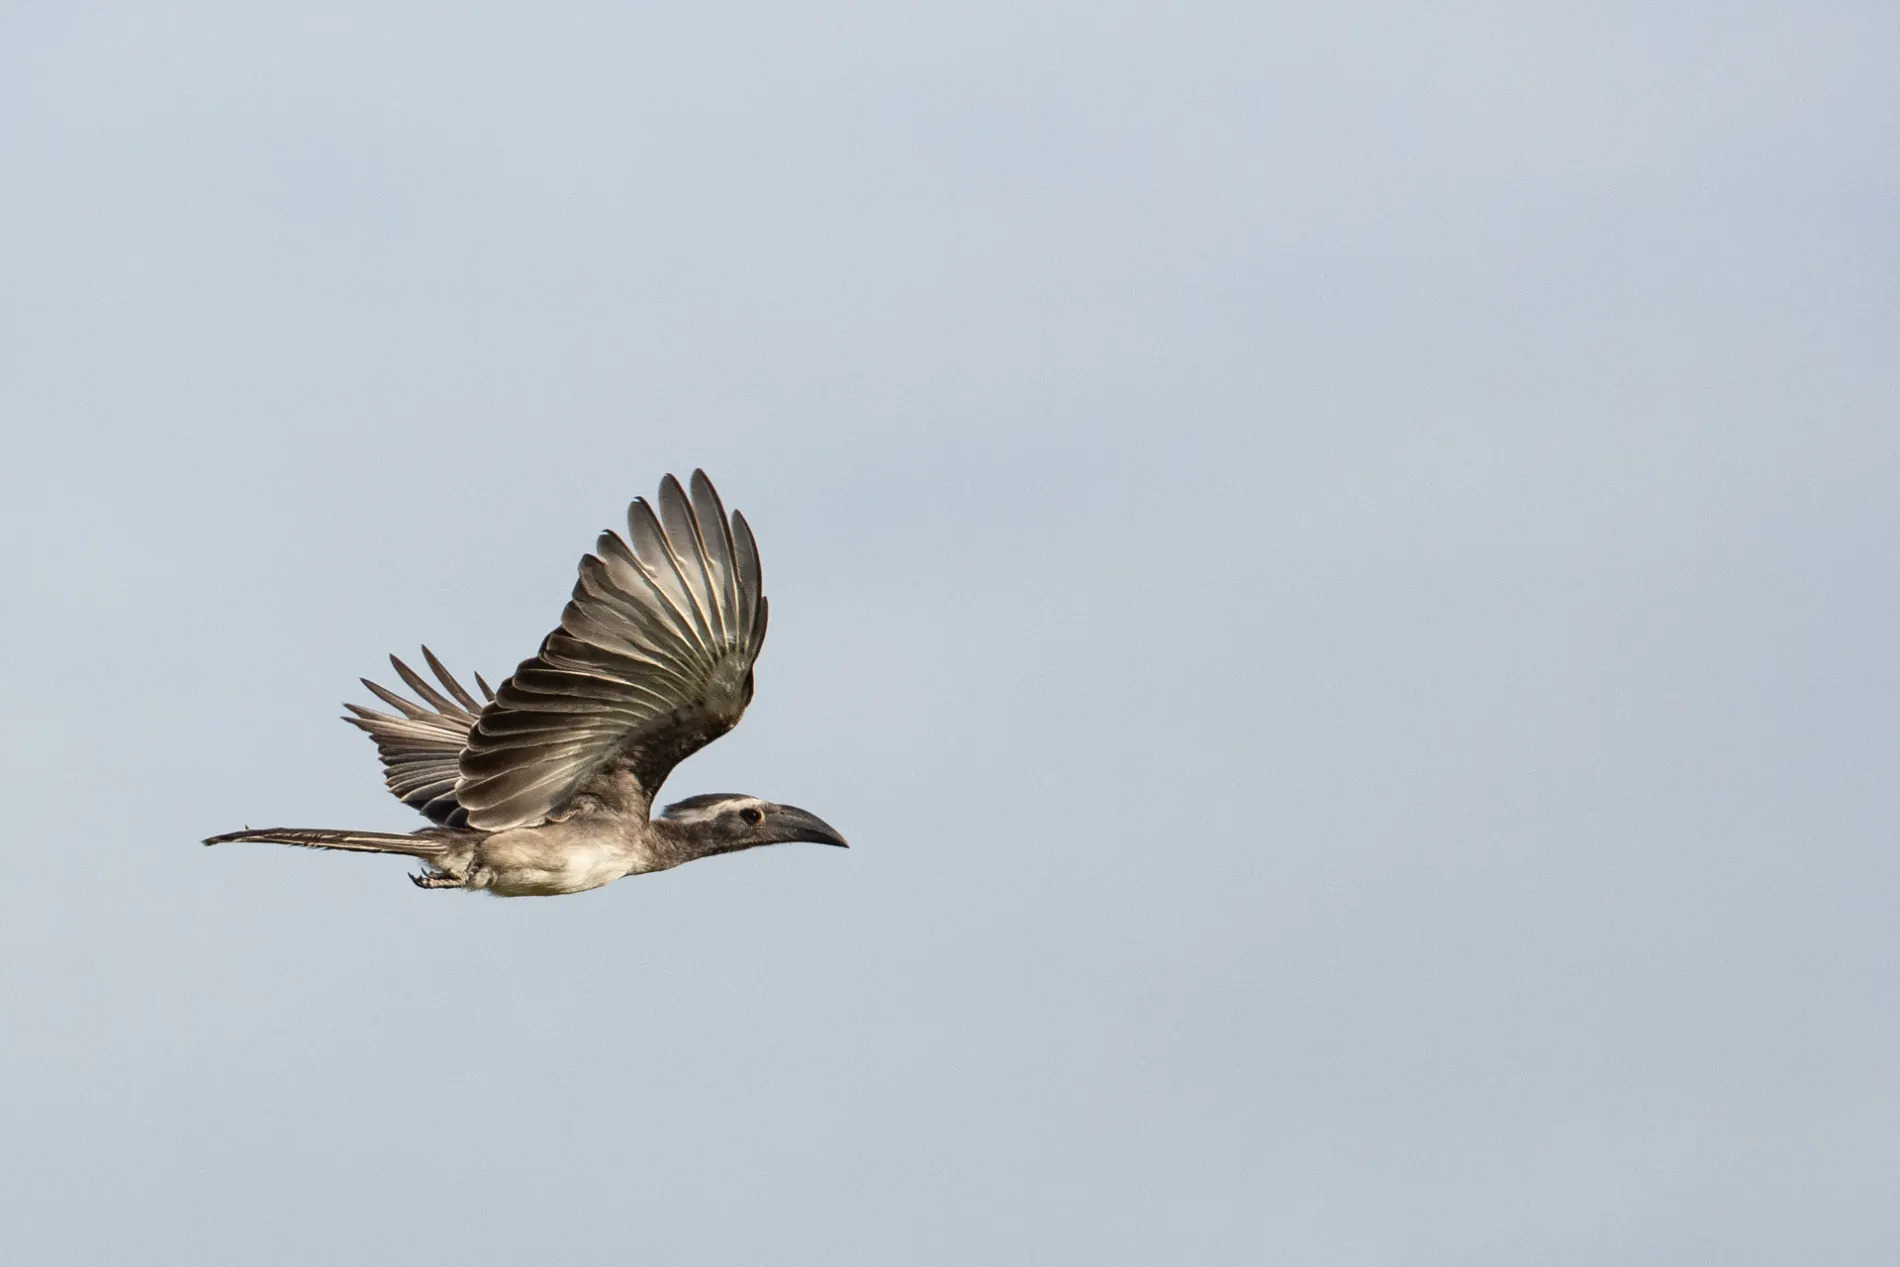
pixel 1336 562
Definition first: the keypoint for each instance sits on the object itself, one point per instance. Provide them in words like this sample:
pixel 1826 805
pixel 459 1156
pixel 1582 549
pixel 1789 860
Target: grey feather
pixel 417 846
pixel 652 660
pixel 421 748
pixel 455 688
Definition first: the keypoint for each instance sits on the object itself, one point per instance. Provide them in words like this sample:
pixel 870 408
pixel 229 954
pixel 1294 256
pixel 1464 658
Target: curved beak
pixel 792 823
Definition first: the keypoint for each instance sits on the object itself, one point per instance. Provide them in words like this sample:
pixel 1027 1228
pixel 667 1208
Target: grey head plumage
pixel 545 783
pixel 726 822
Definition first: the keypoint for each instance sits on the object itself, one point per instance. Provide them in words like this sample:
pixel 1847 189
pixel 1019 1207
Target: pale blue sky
pixel 1336 563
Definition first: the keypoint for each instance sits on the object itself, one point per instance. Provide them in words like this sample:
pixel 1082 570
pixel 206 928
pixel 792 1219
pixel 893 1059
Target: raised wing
pixel 653 661
pixel 421 747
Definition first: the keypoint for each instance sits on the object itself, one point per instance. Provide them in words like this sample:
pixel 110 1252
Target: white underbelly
pixel 524 864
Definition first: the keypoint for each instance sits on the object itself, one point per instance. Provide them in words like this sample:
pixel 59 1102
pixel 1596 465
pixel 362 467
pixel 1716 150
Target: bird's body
pixel 547 788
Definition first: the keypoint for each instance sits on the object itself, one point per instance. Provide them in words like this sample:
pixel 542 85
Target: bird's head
pixel 724 822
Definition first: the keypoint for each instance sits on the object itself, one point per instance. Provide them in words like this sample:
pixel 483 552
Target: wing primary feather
pixel 620 578
pixel 447 679
pixel 682 538
pixel 745 554
pixel 648 542
pixel 715 541
pixel 408 708
pixel 487 690
pixel 420 686
pixel 758 630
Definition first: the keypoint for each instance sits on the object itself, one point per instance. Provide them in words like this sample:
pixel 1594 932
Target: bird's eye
pixel 753 815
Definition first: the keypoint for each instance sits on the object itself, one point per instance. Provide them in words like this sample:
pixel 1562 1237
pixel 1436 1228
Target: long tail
pixel 355 841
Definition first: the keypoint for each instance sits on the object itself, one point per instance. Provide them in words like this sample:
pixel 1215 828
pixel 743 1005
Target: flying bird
pixel 548 786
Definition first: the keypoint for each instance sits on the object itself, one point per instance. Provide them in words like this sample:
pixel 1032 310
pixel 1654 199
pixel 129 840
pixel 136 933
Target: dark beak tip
pixel 812 828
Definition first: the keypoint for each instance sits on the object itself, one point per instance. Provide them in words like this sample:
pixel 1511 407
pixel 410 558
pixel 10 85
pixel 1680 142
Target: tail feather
pixel 354 841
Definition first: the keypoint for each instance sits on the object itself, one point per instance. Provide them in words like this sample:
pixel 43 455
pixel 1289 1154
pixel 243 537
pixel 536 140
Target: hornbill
pixel 548 786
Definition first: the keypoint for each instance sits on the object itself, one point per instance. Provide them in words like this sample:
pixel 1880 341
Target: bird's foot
pixel 434 880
